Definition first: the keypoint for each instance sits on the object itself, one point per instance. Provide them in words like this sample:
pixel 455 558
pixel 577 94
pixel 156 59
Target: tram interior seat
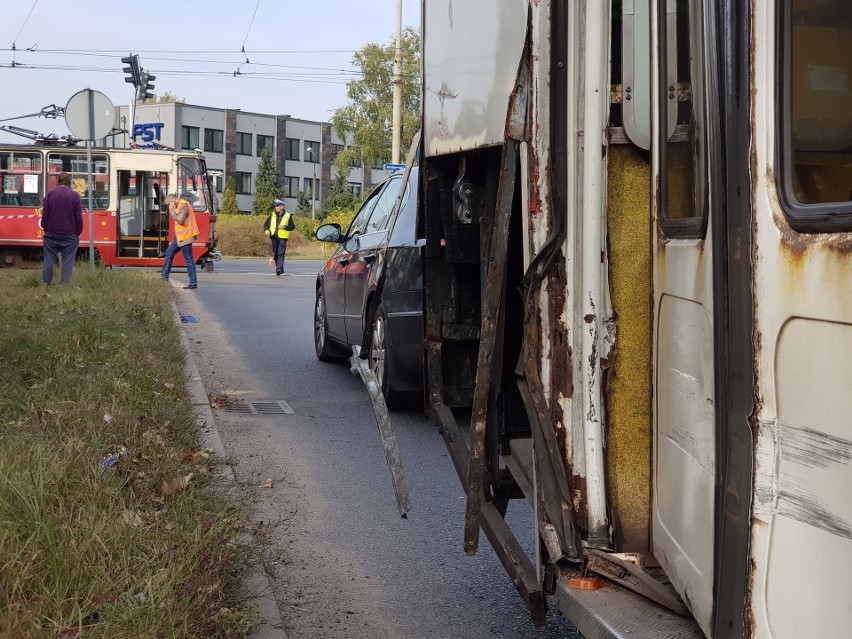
pixel 20 199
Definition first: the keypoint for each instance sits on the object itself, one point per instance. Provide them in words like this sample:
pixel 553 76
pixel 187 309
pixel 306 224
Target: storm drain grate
pixel 279 407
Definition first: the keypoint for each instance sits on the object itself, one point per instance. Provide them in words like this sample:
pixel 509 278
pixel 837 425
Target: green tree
pixel 266 187
pixel 303 204
pixel 229 199
pixel 163 98
pixel 369 114
pixel 339 195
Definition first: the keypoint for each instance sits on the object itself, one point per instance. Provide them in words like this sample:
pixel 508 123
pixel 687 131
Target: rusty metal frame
pixel 506 546
pixel 493 312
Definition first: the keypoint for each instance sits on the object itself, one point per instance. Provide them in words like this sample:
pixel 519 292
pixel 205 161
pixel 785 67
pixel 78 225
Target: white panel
pixel 471 53
pixel 636 66
pixel 684 472
pixel 803 486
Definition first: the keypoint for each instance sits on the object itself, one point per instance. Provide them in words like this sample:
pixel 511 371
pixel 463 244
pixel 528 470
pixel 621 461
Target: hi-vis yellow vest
pixel 185 233
pixel 282 232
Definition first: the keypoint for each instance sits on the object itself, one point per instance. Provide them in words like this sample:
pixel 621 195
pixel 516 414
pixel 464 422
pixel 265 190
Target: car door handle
pixel 369 257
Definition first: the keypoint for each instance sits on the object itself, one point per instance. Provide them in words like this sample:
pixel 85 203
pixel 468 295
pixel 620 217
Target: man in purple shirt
pixel 62 221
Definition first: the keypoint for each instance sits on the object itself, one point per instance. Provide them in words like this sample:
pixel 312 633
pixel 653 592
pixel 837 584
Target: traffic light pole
pixel 134 77
pixel 132 115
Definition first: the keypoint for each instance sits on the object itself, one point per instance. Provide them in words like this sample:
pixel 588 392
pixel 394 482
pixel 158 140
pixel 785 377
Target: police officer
pixel 278 226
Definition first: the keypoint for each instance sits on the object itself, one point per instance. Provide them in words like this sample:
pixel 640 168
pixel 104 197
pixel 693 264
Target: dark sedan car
pixel 369 292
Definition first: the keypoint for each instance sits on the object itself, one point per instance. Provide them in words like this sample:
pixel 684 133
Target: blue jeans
pixel 186 251
pixel 55 243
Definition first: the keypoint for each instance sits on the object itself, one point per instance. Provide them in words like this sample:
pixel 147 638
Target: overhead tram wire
pixel 317 79
pixel 21 30
pixel 243 48
pixel 261 51
pixel 250 26
pixel 199 60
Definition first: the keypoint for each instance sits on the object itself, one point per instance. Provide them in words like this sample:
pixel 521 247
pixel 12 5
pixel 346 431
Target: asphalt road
pixel 348 566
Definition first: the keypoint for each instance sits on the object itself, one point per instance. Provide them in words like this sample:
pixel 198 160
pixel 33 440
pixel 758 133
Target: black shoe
pixel 190 286
pixel 278 271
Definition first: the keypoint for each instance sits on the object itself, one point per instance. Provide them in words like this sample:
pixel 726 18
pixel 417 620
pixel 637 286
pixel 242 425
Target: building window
pixel 213 140
pixel 243 143
pixel 242 183
pixel 265 142
pixel 291 186
pixel 189 137
pixel 355 162
pixel 218 180
pixel 355 189
pixel 312 151
pixel 335 149
pixel 309 188
pixel 291 149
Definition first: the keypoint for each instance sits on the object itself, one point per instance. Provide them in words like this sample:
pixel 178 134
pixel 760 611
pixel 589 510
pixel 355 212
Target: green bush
pixel 343 217
pixel 305 227
pixel 243 236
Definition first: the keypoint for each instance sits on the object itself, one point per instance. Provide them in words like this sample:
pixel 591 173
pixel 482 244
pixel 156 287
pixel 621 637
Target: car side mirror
pixel 329 233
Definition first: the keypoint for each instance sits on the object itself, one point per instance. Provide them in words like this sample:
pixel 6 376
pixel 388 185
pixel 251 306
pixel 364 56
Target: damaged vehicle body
pixel 636 243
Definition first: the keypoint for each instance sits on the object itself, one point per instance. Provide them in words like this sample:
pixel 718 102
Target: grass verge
pixel 147 547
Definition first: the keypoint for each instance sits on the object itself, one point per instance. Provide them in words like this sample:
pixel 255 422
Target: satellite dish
pixel 89 114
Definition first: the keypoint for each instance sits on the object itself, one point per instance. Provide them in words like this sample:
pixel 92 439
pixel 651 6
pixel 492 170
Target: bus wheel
pixel 10 259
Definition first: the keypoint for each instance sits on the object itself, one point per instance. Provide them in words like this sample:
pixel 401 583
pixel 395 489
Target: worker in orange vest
pixel 186 232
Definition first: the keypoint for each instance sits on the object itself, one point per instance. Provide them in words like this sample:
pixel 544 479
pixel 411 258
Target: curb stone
pixel 257 581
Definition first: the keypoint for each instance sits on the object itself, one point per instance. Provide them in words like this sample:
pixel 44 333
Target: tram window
pixel 191 182
pixel 21 181
pixel 816 113
pixel 76 166
pixel 683 154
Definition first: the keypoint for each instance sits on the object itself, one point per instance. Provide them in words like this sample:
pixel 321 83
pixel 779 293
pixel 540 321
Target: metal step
pixel 616 613
pixel 613 611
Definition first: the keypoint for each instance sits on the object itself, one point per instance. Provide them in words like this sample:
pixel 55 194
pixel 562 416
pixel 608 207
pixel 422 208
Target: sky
pixel 298 54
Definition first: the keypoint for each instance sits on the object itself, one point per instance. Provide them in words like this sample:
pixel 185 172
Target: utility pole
pixel 397 86
pixel 314 188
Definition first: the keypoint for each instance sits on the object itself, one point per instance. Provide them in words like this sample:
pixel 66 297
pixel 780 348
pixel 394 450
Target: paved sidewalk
pixel 258 582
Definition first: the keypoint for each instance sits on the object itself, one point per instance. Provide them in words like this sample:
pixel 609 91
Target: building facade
pixel 232 141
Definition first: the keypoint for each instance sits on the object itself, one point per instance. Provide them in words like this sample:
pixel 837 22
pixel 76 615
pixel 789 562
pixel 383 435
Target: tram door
pixel 803 270
pixel 684 458
pixel 143 224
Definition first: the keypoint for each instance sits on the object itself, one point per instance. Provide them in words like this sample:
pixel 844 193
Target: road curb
pixel 258 581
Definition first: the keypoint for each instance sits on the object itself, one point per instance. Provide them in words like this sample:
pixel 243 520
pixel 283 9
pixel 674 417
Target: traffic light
pixel 146 86
pixel 132 69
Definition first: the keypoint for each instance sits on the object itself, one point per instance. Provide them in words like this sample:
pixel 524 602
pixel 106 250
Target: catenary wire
pixel 185 73
pixel 197 60
pixel 27 19
pixel 250 25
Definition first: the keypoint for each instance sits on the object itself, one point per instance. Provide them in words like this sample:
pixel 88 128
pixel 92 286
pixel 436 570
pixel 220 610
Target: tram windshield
pixel 192 183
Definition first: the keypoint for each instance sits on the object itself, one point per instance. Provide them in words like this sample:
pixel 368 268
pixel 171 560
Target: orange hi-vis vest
pixel 185 233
